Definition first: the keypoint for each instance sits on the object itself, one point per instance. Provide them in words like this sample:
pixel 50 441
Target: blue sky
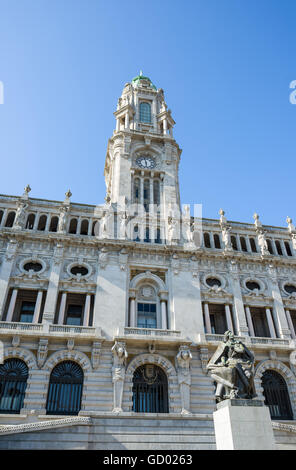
pixel 225 67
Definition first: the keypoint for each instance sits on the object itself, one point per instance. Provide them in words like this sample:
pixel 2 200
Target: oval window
pixel 79 270
pixel 213 281
pixel 290 288
pixel 33 266
pixel 252 285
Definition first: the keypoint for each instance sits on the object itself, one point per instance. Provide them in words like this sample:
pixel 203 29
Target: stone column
pixel 239 316
pixel 127 120
pixel 212 243
pixel 5 273
pixel 165 126
pixel 274 249
pixel 238 242
pixel 270 323
pixel 163 314
pixel 283 248
pixel 48 222
pixel 133 316
pixel 4 218
pixel 290 323
pixel 228 318
pixel 53 285
pixel 279 309
pixel 11 305
pixel 248 245
pixel 37 217
pixel 37 307
pixel 207 318
pixel 250 322
pixel 86 312
pixel 62 308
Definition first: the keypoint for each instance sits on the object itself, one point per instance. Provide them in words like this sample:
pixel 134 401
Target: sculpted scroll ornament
pixel 118 374
pixel 183 359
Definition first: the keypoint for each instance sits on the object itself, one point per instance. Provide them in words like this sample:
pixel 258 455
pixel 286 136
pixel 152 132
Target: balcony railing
pixel 150 332
pixel 21 326
pixel 253 339
pixel 52 329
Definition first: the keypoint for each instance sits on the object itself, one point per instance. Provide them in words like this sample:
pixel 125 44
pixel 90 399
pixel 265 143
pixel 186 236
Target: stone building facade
pixel 110 313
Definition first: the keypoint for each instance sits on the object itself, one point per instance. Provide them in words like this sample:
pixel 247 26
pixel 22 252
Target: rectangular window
pixel 74 315
pixel 146 315
pixel 27 311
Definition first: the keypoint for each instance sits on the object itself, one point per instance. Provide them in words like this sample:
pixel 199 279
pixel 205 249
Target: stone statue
pixel 173 226
pixel 232 368
pixel 118 373
pixel 122 226
pixel 183 359
pixel 20 215
pixel 262 243
pixel 226 238
pixel 104 225
pixel 62 219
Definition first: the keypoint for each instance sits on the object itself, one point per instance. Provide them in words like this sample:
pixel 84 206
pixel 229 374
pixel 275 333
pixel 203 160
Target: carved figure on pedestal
pixel 63 219
pixel 104 233
pixel 183 359
pixel 118 374
pixel 262 243
pixel 20 215
pixel 232 368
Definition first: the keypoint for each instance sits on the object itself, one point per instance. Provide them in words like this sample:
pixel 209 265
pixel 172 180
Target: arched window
pixel 276 395
pixel 253 245
pixel 147 235
pixel 146 307
pixel 13 384
pixel 156 192
pixel 243 244
pixel 145 112
pixel 30 221
pixel 158 236
pixel 84 227
pixel 1 215
pixel 10 219
pixel 269 246
pixel 217 241
pixel 136 191
pixel 65 389
pixel 233 242
pixel 279 248
pixel 95 228
pixel 54 224
pixel 150 390
pixel 207 241
pixel 136 237
pixel 42 222
pixel 288 249
pixel 146 197
pixel 73 226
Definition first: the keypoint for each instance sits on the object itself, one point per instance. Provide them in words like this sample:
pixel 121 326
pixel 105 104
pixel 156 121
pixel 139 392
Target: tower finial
pixel 141 73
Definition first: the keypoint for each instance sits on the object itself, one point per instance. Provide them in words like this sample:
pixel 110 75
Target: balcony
pixel 151 332
pixel 253 340
pixel 45 329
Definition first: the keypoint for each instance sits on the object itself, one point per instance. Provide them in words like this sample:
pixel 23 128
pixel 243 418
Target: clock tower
pixel 143 157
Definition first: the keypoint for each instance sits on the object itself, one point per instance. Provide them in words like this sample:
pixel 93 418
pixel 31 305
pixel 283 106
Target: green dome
pixel 136 80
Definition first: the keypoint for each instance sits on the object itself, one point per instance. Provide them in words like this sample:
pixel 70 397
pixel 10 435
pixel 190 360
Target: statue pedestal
pixel 243 425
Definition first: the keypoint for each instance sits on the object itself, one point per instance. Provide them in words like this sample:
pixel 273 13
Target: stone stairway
pixel 111 432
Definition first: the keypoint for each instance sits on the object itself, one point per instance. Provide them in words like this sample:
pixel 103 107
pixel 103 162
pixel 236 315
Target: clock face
pixel 146 162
